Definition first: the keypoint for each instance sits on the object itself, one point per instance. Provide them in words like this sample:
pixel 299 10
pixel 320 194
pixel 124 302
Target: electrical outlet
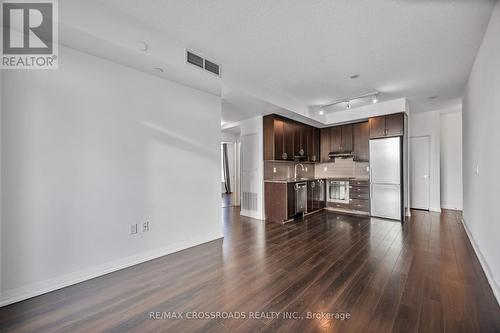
pixel 145 226
pixel 133 229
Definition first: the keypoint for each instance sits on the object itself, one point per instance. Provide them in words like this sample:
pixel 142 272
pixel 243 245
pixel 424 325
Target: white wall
pixel 91 148
pixel 427 124
pixel 451 160
pixel 1 186
pixel 481 142
pixel 252 164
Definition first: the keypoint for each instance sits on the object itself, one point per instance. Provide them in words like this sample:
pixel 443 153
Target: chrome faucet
pixel 296 165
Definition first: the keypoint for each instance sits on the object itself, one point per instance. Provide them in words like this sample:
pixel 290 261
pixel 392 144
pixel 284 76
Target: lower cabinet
pixel 359 196
pixel 280 199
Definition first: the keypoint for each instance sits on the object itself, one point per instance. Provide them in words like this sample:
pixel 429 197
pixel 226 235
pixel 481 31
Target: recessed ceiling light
pixel 158 69
pixel 374 99
pixel 355 76
pixel 222 123
pixel 321 112
pixel 433 97
pixel 143 46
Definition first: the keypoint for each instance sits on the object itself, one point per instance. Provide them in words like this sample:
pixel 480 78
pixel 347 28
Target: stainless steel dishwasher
pixel 300 197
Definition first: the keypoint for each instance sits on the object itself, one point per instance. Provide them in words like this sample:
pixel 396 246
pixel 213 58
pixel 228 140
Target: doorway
pixel 228 174
pixel 420 172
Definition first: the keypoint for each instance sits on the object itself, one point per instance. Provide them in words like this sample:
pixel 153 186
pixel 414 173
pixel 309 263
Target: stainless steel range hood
pixel 334 155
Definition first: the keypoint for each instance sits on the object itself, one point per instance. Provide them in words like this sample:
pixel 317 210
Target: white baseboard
pixel 39 288
pixel 435 209
pixel 450 207
pixel 484 264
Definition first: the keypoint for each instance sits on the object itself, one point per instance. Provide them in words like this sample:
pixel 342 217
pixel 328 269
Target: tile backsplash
pixel 339 168
pixel 342 168
pixel 284 170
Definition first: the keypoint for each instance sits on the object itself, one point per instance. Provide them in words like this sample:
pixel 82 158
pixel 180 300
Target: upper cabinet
pixel 384 126
pixel 361 136
pixel 285 139
pixel 289 140
pixel 394 124
pixel 324 144
pixel 312 144
pixel 341 139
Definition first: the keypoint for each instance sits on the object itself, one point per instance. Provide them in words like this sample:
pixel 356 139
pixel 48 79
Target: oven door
pixel 337 191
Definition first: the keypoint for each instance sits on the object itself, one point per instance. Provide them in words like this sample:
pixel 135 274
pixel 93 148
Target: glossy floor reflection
pixel 420 276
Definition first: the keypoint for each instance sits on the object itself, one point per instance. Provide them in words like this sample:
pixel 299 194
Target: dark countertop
pixel 297 180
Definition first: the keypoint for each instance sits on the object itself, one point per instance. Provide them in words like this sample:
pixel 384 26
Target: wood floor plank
pixel 420 276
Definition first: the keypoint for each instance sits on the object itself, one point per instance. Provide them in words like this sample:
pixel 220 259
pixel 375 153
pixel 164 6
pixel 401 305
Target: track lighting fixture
pixel 373 95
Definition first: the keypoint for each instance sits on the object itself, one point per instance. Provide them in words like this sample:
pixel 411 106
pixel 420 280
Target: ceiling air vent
pixel 198 61
pixel 211 67
pixel 194 59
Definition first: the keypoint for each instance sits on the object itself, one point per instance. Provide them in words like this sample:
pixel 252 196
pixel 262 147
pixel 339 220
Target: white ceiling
pixel 303 52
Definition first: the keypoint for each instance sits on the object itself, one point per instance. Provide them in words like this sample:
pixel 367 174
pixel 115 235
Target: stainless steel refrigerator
pixel 385 178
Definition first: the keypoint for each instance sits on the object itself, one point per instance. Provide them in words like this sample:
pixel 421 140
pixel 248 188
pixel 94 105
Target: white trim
pixel 451 207
pixel 429 148
pixel 484 264
pixel 36 289
pixel 435 209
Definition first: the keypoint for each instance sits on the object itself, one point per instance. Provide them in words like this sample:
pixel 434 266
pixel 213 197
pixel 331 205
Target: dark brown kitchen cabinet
pixel 324 143
pixel 377 127
pixel 335 139
pixel 288 138
pixel 385 126
pixel 300 140
pixel 312 144
pixel 341 139
pixel 279 201
pixel 361 136
pixel 346 138
pixel 278 138
pixel 394 124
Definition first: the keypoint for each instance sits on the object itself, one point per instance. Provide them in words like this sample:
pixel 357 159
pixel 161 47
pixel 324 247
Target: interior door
pixel 419 172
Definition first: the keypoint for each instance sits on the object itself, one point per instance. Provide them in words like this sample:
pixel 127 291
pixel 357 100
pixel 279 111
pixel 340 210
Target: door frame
pixel 236 176
pixel 429 146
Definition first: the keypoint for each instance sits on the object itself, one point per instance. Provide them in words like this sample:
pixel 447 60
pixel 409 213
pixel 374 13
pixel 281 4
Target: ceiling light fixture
pixel 222 122
pixel 348 105
pixel 349 100
pixel 321 111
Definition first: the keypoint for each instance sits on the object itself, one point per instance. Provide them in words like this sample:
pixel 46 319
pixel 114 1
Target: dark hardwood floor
pixel 421 276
